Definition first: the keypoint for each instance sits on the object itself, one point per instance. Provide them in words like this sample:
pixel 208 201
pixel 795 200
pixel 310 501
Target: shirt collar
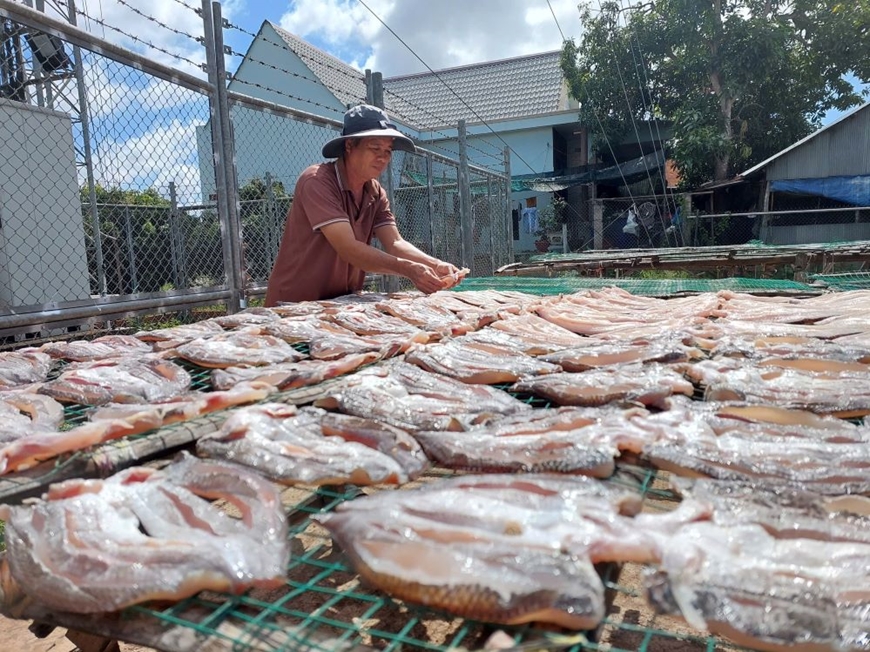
pixel 341 177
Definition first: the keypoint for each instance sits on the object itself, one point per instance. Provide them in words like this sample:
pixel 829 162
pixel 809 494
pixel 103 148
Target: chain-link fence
pixel 423 188
pixel 127 186
pixel 637 223
pixel 662 221
pixel 99 166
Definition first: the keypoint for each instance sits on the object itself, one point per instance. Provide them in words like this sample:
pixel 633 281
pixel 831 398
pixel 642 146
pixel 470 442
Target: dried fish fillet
pixel 784 512
pixel 101 545
pixel 594 353
pixel 823 467
pixel 429 317
pixel 310 446
pixel 18 368
pixel 289 375
pixel 419 381
pixel 475 363
pixel 164 338
pixel 121 380
pixel 555 452
pixel 648 384
pixel 388 400
pixel 501 548
pixel 763 592
pixel 247 317
pixel 238 348
pixel 813 384
pixel 107 346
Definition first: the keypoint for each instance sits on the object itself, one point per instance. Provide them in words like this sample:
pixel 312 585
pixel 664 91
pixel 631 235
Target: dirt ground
pixel 16 637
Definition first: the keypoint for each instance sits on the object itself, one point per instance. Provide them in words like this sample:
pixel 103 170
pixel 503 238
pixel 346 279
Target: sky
pixel 395 37
pixel 433 33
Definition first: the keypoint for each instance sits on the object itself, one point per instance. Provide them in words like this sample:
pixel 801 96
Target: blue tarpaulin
pixel 852 190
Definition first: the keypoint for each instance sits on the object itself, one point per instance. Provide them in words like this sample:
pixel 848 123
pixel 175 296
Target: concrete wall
pixel 42 249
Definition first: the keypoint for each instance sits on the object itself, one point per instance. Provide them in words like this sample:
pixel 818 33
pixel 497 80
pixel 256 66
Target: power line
pixel 561 33
pixel 446 85
pixel 355 76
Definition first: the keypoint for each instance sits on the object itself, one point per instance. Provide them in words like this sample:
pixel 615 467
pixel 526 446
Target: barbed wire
pixel 232 52
pixel 139 40
pixel 448 86
pixel 357 77
pixel 387 91
pixel 196 10
pixel 155 20
pixel 238 80
pixel 293 97
pixel 354 76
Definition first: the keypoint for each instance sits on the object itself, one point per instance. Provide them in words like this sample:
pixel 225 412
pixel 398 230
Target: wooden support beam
pixel 91 642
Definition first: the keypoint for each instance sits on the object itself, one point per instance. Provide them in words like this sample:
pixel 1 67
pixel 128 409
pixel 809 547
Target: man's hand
pixel 450 274
pixel 443 269
pixel 424 278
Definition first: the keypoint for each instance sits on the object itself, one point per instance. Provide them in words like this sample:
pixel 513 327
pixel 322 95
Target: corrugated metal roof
pixel 519 87
pixel 801 142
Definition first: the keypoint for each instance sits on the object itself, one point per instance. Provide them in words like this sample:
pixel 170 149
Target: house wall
pixel 843 149
pixel 814 233
pixel 531 149
pixel 265 143
pixel 42 248
pixel 298 87
pixel 531 153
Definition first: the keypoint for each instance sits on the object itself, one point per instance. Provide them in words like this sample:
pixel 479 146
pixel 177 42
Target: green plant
pixel 551 217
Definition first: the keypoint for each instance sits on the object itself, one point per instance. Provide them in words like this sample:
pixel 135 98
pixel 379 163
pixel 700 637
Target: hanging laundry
pixel 630 223
pixel 530 220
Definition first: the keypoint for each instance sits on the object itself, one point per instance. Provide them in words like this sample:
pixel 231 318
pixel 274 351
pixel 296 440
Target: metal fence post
pixel 493 262
pixel 89 162
pixel 234 221
pixel 466 221
pixel 131 254
pixel 391 283
pixel 173 235
pixel 271 216
pixel 597 225
pixel 430 195
pixel 508 218
pixel 220 162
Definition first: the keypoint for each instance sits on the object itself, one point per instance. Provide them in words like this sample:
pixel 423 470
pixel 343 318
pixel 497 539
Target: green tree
pixel 738 80
pixel 137 217
pixel 262 215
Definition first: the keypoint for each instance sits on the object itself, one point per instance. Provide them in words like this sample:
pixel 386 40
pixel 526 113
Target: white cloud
pixel 111 90
pixel 153 159
pixel 444 34
pixel 165 31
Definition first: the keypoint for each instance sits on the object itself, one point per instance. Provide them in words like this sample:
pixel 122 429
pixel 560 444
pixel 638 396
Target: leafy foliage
pixel 551 217
pixel 738 80
pixel 147 248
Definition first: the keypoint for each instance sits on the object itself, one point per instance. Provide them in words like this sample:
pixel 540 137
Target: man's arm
pixel 396 245
pixel 358 254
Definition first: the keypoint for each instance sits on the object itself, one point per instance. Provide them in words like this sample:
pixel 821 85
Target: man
pixel 337 208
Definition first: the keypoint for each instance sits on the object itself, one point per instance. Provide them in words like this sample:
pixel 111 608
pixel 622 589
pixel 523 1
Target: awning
pixel 624 173
pixel 851 190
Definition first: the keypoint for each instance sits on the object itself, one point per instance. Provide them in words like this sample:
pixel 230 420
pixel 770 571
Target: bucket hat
pixel 363 121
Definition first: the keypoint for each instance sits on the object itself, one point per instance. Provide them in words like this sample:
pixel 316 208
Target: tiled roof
pixel 494 90
pixel 345 82
pixel 519 87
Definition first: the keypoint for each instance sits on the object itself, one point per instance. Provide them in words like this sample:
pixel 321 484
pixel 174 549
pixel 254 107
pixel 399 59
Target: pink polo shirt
pixel 307 267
